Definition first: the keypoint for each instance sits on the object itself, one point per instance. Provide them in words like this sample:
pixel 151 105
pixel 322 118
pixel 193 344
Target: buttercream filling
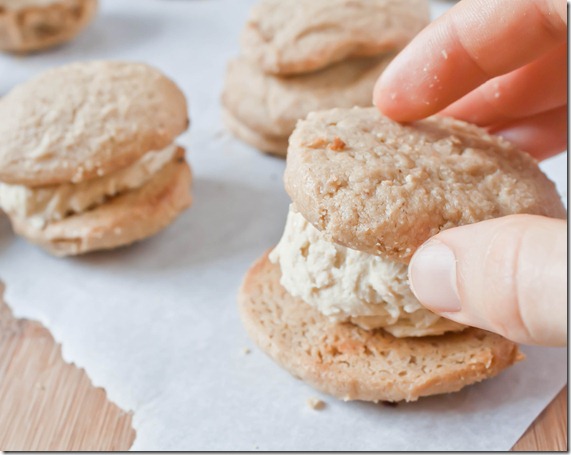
pixel 351 286
pixel 53 203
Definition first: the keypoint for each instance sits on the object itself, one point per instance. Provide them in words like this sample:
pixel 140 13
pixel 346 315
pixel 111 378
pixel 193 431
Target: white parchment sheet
pixel 156 324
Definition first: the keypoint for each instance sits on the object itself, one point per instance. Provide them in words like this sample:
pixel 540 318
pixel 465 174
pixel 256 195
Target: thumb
pixel 507 275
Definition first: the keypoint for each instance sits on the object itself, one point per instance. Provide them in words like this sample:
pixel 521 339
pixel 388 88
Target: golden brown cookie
pixel 33 25
pixel 300 36
pixel 384 188
pixel 124 219
pixel 268 144
pixel 86 120
pixel 354 364
pixel 271 105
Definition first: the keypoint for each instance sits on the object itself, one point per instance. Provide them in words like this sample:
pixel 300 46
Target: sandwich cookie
pixel 88 159
pixel 262 109
pixel 298 57
pixel 33 25
pixel 298 36
pixel 331 303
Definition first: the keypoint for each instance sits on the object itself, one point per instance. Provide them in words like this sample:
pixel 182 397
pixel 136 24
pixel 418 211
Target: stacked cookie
pixel 33 25
pixel 332 303
pixel 88 159
pixel 300 56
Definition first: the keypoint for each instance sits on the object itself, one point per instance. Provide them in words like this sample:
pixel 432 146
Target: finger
pixel 506 275
pixel 475 41
pixel 542 136
pixel 538 87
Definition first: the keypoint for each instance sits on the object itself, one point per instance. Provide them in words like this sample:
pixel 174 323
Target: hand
pixel 502 65
pixel 507 275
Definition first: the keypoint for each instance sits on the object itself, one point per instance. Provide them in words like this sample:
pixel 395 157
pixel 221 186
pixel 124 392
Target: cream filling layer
pixel 53 203
pixel 348 285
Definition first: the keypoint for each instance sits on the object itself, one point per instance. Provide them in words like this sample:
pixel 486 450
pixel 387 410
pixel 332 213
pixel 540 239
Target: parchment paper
pixel 156 324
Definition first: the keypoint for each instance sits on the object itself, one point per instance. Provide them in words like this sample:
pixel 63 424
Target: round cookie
pixel 299 36
pixel 384 188
pixel 86 120
pixel 268 144
pixel 353 364
pixel 122 220
pixel 271 105
pixel 33 25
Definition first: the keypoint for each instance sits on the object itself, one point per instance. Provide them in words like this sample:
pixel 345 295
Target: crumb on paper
pixel 316 404
pixel 337 145
pixel 246 351
pixel 219 134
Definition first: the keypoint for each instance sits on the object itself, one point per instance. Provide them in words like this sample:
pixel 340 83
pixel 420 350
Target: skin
pixel 501 64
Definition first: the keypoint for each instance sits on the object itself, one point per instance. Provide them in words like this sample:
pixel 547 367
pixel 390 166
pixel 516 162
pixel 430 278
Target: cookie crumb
pixel 337 145
pixel 246 351
pixel 444 54
pixel 316 404
pixel 78 176
pixel 317 143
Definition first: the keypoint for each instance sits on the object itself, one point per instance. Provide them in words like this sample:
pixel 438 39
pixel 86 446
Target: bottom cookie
pixel 268 144
pixel 350 363
pixel 120 221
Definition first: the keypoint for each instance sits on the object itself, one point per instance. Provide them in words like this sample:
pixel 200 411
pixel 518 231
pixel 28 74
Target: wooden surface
pixel 46 404
pixel 549 431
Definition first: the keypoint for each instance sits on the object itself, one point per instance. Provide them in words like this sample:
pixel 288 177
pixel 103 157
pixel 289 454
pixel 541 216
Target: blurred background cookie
pixel 34 25
pixel 299 56
pixel 259 107
pixel 297 36
pixel 332 302
pixel 88 159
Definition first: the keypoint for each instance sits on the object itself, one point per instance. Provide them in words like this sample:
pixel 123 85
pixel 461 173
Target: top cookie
pixel 299 36
pixel 383 188
pixel 86 120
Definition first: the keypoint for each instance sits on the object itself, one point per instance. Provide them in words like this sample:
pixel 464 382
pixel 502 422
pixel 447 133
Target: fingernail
pixel 432 276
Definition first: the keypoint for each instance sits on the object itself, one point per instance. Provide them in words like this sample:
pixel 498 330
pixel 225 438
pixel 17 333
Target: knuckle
pixel 503 280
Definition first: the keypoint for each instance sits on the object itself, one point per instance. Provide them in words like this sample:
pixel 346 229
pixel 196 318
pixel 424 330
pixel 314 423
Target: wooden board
pixel 47 404
pixel 549 431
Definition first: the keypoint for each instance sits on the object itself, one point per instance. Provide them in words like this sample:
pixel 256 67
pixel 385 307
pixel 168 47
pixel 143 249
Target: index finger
pixel 475 41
